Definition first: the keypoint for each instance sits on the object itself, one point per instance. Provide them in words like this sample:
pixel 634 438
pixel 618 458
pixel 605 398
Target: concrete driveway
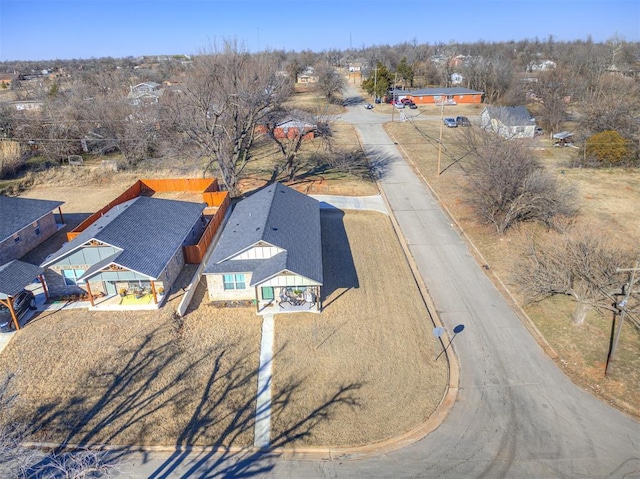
pixel 516 415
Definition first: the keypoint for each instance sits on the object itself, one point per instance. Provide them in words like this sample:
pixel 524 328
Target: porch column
pixel 257 300
pixel 153 291
pixel 90 295
pixel 60 213
pixel 9 304
pixel 44 286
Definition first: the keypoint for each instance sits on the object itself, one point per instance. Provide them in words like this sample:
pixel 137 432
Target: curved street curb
pixel 526 320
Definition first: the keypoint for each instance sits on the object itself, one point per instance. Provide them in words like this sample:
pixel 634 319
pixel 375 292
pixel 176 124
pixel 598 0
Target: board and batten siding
pixel 87 255
pixel 284 280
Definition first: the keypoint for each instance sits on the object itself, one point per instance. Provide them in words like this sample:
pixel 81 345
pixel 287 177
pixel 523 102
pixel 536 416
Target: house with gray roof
pixel 135 246
pixel 270 252
pixel 24 224
pixel 508 121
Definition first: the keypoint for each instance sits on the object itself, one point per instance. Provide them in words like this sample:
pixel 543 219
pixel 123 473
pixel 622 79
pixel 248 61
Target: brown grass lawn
pixel 364 369
pixel 609 201
pixel 143 378
pixel 137 377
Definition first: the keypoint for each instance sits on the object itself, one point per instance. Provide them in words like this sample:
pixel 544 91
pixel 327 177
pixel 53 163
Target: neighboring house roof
pixel 278 216
pixel 15 275
pixel 146 86
pixel 510 115
pixel 148 231
pixel 297 123
pixel 18 213
pixel 456 90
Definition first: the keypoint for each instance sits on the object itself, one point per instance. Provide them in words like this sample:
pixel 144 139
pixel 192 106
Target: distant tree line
pixel 219 96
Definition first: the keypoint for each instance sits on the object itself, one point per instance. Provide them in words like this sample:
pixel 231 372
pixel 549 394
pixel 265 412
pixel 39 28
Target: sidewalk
pixel 375 203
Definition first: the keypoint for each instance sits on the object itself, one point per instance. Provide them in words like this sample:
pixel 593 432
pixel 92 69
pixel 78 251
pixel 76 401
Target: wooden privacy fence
pixel 198 185
pixel 208 187
pixel 132 192
pixel 193 254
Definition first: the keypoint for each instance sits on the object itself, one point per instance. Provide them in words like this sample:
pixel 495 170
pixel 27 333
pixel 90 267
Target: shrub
pixel 608 147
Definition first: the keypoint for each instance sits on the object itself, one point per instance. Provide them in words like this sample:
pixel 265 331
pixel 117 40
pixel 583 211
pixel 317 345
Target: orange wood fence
pixel 193 254
pixel 133 192
pixel 208 187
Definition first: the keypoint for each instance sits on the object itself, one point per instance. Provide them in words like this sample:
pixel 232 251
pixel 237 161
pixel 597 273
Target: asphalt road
pixel 516 414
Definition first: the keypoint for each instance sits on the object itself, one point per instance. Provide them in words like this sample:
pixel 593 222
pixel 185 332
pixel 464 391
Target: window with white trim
pixel 233 281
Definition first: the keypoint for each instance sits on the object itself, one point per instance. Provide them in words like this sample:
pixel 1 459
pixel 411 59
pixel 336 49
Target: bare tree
pixel 553 90
pixel 582 266
pixel 19 461
pixel 507 186
pixel 226 95
pixel 330 82
pixel 613 105
pixel 290 130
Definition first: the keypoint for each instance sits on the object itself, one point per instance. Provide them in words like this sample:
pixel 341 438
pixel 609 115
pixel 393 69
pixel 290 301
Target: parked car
pixel 406 101
pixel 368 106
pixel 413 106
pixel 399 105
pixel 462 121
pixel 450 122
pixel 23 302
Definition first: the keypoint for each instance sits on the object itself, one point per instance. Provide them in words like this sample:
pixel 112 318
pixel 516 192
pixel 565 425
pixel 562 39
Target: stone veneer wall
pixel 10 249
pixel 215 287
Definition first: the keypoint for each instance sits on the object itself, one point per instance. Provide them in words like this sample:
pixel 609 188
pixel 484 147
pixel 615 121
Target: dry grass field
pixel 361 371
pixel 608 203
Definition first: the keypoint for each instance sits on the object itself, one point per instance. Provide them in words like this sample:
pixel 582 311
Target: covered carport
pixel 14 277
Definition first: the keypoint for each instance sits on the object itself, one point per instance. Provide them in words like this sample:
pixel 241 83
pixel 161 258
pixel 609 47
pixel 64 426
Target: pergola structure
pixel 14 276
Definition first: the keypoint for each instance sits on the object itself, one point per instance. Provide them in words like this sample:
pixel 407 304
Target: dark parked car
pixel 413 106
pixel 462 121
pixel 23 302
pixel 368 106
pixel 450 122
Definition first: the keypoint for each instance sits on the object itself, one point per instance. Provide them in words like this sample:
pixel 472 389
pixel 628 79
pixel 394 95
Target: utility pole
pixel 622 306
pixel 440 140
pixel 393 96
pixel 375 83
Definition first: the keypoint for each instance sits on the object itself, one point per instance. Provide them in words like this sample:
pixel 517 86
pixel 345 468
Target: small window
pixel 16 239
pixel 71 276
pixel 37 231
pixel 233 281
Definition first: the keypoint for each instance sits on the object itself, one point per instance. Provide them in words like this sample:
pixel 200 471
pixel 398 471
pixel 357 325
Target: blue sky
pixel 65 29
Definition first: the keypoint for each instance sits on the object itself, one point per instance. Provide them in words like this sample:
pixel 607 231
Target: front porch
pixel 275 308
pixel 289 299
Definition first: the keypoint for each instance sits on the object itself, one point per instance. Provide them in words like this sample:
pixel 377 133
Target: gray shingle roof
pixel 147 230
pixel 15 275
pixel 279 216
pixel 17 213
pixel 510 115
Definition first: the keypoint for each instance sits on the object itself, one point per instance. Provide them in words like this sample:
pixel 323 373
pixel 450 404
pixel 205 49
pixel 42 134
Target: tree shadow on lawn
pixel 145 390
